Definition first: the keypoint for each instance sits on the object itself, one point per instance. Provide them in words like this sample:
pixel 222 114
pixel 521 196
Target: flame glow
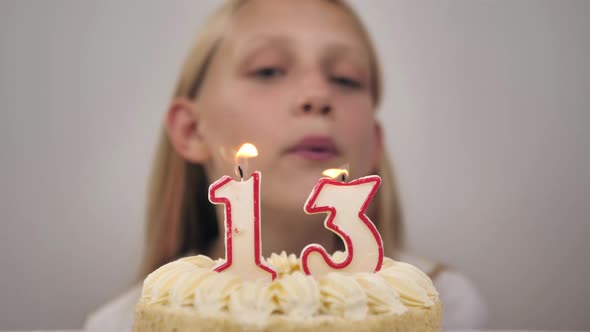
pixel 335 173
pixel 247 150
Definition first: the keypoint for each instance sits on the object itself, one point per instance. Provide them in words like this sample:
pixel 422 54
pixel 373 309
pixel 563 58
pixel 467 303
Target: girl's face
pixel 294 79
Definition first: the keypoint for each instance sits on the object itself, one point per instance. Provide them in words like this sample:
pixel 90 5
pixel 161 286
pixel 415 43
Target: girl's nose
pixel 315 105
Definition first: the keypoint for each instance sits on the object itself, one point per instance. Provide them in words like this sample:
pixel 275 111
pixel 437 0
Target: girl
pixel 300 80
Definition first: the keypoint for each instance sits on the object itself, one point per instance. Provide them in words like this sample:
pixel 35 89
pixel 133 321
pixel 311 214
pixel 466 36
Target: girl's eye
pixel 346 82
pixel 268 72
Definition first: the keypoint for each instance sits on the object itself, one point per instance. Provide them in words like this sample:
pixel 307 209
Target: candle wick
pixel 343 177
pixel 241 172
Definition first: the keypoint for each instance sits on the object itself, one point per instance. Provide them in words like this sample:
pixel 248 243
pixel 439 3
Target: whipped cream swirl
pixel 190 283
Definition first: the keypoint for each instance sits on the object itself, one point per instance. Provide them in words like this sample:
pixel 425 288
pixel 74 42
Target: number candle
pixel 345 203
pixel 242 221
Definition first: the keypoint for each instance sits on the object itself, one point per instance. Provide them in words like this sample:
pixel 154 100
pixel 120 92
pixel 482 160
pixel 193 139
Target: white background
pixel 486 116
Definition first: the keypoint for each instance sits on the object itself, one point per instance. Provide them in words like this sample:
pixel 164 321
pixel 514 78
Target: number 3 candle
pixel 345 203
pixel 242 221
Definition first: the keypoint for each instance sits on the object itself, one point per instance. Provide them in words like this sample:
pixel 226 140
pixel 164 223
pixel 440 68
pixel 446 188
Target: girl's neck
pixel 291 232
pixel 286 231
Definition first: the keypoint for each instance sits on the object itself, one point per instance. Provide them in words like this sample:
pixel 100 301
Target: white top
pixel 463 307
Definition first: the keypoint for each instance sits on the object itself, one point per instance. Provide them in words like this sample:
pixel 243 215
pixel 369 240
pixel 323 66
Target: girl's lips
pixel 314 155
pixel 315 148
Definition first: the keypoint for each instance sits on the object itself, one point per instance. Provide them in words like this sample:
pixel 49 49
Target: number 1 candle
pixel 242 221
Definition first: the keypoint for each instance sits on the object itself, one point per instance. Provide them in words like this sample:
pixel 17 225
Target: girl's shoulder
pixel 428 266
pixel 463 305
pixel 115 315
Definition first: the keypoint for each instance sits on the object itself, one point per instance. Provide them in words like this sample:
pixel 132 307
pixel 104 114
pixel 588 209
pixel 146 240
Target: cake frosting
pixel 190 287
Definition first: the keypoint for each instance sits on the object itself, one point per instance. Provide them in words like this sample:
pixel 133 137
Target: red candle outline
pixel 229 224
pixel 329 223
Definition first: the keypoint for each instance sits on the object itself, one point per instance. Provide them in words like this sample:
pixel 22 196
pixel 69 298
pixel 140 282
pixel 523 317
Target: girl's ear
pixel 378 146
pixel 182 123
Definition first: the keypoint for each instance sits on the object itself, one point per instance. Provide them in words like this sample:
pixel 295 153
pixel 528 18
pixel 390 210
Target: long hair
pixel 180 219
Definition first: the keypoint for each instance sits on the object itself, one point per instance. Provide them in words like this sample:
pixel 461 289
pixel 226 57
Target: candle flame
pixel 247 150
pixel 335 173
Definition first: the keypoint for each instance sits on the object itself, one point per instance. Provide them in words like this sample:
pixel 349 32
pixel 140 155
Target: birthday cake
pixel 188 295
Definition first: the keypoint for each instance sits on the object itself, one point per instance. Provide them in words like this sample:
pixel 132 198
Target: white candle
pixel 345 203
pixel 242 224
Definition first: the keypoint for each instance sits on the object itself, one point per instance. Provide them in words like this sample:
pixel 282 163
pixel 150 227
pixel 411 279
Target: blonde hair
pixel 180 219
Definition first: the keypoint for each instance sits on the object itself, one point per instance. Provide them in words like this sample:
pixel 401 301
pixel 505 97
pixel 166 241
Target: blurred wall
pixel 486 116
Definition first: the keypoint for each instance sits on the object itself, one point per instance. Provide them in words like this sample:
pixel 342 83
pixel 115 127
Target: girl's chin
pixel 290 200
pixel 289 190
pixel 288 203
